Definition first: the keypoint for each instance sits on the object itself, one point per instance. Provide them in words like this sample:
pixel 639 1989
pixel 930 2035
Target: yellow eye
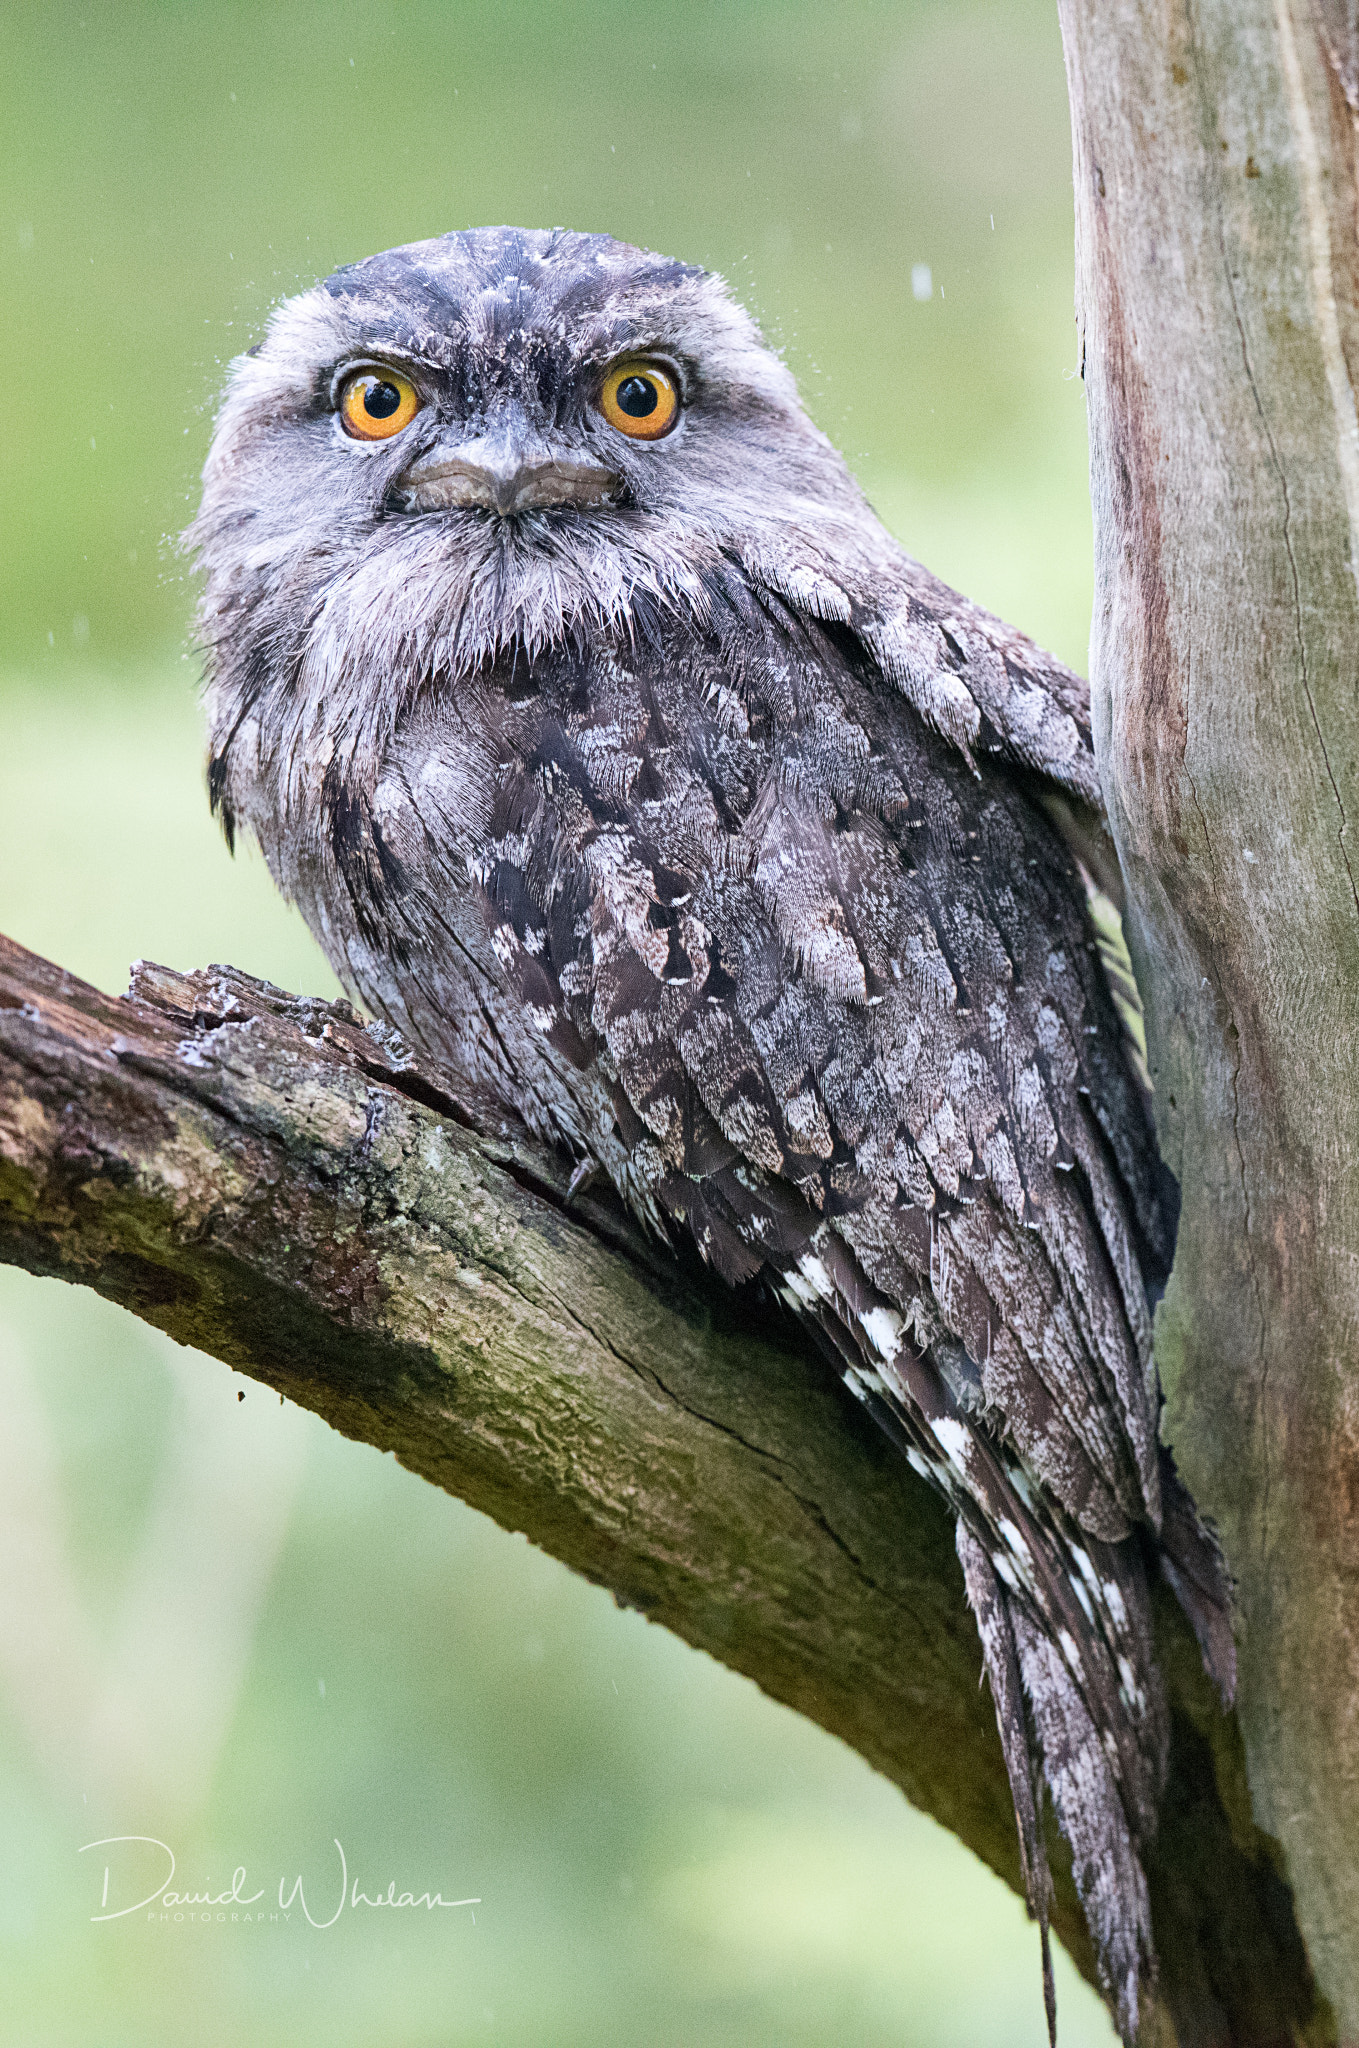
pixel 640 399
pixel 375 404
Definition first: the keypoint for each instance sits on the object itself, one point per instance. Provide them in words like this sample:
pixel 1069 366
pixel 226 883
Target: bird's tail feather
pixel 1193 1565
pixel 987 1601
pixel 1046 1727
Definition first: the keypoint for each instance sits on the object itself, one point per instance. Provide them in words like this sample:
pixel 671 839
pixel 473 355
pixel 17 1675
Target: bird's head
pixel 488 441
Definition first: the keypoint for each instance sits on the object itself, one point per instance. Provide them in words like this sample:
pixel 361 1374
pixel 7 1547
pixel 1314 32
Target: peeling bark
pixel 1218 295
pixel 265 1180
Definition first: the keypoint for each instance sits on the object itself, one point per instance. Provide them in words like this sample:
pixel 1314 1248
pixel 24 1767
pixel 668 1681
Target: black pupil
pixel 380 401
pixel 637 396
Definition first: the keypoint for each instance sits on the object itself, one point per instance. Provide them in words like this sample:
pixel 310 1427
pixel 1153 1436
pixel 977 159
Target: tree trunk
pixel 1217 268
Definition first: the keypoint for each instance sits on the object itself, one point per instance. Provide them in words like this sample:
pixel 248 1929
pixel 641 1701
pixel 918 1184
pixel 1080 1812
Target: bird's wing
pixel 919 985
pixel 840 983
pixel 818 952
pixel 978 682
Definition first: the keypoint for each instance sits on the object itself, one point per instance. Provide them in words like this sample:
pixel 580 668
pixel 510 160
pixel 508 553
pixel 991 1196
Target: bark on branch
pixel 267 1181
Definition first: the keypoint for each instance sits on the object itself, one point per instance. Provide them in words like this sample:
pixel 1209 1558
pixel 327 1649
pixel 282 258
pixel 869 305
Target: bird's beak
pixel 508 467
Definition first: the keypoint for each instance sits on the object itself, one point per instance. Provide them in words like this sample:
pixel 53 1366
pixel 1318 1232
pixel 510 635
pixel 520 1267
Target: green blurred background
pixel 220 1625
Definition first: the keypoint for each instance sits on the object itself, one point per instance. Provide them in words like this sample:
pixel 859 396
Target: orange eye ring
pixel 375 404
pixel 640 398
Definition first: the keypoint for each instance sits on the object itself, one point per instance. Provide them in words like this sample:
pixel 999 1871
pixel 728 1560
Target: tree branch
pixel 265 1180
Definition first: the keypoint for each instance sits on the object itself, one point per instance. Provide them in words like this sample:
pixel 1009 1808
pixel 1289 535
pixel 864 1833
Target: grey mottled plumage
pixel 649 785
